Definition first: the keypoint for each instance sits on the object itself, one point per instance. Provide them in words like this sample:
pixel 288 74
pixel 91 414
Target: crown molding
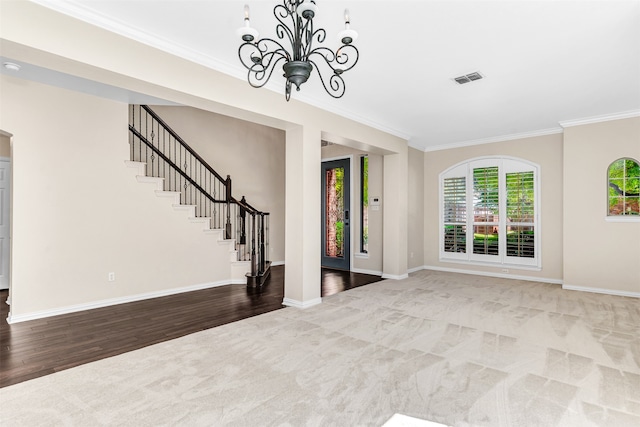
pixel 79 11
pixel 563 125
pixel 490 140
pixel 326 105
pixel 598 119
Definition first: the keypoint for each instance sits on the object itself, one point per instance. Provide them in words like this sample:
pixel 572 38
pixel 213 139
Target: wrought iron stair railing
pixel 168 156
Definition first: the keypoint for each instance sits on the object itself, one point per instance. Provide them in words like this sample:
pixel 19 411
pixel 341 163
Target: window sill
pixel 622 218
pixel 493 264
pixel 362 255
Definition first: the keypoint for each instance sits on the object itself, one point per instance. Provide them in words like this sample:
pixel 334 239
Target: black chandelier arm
pixel 259 61
pixel 340 61
pixel 347 56
pixel 301 28
pixel 318 35
pixel 336 87
pixel 251 53
pixel 259 75
pixel 281 12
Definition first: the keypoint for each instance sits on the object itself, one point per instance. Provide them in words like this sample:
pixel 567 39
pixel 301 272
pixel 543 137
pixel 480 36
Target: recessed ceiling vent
pixel 467 78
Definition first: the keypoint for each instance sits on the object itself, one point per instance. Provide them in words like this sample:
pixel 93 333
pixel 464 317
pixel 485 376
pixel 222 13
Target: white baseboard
pixel 602 291
pixel 115 301
pixel 395 276
pixel 535 279
pixel 363 271
pixel 491 274
pixel 414 269
pixel 301 304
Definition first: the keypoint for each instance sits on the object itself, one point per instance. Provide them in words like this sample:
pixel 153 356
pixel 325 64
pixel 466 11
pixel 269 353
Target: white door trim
pixel 5 214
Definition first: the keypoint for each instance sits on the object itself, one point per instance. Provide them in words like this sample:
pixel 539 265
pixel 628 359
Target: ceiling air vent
pixel 468 78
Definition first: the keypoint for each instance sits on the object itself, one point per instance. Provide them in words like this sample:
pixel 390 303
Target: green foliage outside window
pixel 624 187
pixel 339 173
pixel 364 176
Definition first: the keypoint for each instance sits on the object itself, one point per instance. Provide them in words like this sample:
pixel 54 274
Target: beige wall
pixel 546 151
pixel 5 146
pixel 372 261
pixel 416 203
pixel 78 212
pixel 598 254
pixel 252 154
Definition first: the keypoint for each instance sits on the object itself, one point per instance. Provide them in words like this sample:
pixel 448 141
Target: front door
pixel 336 242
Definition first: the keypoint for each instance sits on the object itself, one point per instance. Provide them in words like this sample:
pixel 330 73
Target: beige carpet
pixel 454 349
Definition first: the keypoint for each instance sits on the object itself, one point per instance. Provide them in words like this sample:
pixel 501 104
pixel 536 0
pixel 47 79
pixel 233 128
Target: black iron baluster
pixel 228 200
pixel 164 164
pixel 132 120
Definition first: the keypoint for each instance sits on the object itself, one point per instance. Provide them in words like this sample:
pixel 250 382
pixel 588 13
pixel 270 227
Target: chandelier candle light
pixel 261 57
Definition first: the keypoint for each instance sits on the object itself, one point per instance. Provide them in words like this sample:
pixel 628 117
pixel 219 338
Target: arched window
pixel 489 212
pixel 623 183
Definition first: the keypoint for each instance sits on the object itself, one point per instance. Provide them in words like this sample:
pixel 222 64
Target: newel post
pixel 254 259
pixel 261 237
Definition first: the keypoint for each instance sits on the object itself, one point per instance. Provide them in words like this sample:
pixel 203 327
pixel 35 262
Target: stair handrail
pixel 168 128
pixel 169 161
pixel 247 207
pixel 182 142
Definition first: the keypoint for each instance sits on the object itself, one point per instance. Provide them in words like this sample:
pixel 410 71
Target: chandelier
pixel 295 25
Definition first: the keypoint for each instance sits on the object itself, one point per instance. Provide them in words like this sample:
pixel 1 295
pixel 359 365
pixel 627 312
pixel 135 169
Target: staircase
pixel 163 158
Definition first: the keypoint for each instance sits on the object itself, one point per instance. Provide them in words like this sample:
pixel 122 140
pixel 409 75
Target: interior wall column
pixel 302 281
pixel 395 209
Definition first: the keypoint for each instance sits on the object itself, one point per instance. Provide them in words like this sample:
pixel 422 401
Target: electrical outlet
pixel 411 254
pixel 111 277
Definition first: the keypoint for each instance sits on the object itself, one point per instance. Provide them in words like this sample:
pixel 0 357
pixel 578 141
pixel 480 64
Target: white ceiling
pixel 544 62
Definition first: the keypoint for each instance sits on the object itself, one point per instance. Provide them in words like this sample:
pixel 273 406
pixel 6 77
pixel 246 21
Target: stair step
pixel 190 210
pixel 204 220
pixel 168 194
pixel 159 182
pixel 183 207
pixel 215 232
pixel 200 219
pixel 140 166
pixel 230 242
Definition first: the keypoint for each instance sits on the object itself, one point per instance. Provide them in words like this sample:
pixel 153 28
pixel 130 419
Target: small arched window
pixel 623 183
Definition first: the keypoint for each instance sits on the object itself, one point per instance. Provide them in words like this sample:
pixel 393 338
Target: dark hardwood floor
pixel 41 347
